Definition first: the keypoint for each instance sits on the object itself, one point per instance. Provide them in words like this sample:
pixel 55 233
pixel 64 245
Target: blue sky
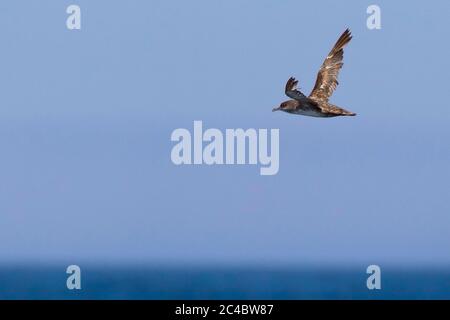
pixel 86 118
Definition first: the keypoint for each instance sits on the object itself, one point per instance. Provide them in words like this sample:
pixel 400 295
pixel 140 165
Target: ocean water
pixel 104 282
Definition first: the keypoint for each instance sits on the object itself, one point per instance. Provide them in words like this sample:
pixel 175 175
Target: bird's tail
pixel 338 111
pixel 348 113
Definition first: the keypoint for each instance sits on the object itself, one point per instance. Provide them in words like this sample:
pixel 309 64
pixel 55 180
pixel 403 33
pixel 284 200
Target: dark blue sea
pixel 104 282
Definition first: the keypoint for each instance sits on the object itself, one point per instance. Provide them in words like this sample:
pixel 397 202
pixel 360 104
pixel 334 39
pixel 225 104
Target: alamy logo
pixel 74 280
pixel 374 20
pixel 73 21
pixel 236 146
pixel 374 280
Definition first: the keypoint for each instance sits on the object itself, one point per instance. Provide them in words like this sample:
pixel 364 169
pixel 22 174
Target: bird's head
pixel 285 106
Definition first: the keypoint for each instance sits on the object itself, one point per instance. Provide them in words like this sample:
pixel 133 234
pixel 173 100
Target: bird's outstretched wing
pixel 291 90
pixel 327 78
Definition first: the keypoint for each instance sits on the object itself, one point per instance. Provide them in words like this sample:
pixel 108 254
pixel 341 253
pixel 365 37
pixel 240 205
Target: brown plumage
pixel 316 104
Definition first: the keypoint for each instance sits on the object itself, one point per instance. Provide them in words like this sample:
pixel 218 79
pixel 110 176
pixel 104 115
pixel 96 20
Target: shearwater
pixel 316 104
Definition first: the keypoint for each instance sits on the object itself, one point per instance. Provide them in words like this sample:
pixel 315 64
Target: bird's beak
pixel 275 109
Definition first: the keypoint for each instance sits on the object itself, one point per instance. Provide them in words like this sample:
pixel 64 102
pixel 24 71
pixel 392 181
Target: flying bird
pixel 316 104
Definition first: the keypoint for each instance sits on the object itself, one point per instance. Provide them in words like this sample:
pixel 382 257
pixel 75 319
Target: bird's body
pixel 313 109
pixel 316 104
